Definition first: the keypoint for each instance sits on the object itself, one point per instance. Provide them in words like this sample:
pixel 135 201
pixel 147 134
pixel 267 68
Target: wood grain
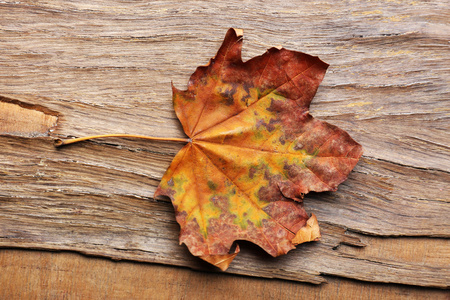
pixel 106 66
pixel 65 275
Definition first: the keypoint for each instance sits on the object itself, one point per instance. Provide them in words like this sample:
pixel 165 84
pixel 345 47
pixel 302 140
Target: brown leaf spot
pixel 251 172
pixel 228 96
pixel 212 186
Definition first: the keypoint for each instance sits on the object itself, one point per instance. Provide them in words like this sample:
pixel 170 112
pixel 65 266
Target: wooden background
pixel 76 68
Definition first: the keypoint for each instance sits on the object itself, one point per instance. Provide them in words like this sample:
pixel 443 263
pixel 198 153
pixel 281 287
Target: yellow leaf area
pixel 238 179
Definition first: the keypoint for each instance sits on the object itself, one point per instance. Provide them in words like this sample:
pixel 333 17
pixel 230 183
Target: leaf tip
pixel 158 192
pixel 309 232
pixel 221 261
pixel 238 31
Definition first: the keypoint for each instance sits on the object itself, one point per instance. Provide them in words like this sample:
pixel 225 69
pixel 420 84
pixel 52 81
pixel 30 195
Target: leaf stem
pixel 60 142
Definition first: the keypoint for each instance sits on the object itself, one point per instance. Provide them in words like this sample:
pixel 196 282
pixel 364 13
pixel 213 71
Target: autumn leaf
pixel 253 152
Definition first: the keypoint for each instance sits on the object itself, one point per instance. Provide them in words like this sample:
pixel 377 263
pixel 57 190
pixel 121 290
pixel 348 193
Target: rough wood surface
pixel 105 66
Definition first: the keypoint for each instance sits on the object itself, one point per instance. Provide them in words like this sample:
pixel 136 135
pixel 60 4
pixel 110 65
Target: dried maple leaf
pixel 254 151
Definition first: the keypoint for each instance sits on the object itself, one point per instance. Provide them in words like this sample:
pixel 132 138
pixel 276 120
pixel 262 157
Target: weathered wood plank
pixel 373 200
pixel 71 200
pixel 107 66
pixel 388 67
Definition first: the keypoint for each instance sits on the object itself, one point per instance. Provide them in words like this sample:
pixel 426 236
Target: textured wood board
pixel 62 275
pixel 106 67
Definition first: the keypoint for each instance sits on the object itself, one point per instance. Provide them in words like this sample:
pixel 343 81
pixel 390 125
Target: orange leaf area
pixel 254 151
